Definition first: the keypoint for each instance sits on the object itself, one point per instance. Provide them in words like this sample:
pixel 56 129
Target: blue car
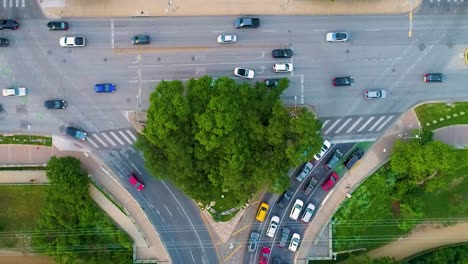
pixel 104 88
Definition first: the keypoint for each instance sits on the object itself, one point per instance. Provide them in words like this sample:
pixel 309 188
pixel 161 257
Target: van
pixel 308 213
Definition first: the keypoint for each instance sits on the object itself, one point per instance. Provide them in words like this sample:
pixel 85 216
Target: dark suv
pixel 353 158
pixel 309 186
pixel 282 53
pixel 247 22
pixel 343 81
pixel 284 199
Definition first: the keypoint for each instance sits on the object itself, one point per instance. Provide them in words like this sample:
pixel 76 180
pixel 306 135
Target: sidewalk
pixel 142 8
pixel 147 242
pixel 377 155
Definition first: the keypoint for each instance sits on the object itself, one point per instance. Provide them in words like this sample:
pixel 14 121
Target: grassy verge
pixel 340 168
pixel 22 168
pixel 118 205
pixel 439 115
pixel 21 207
pixel 26 140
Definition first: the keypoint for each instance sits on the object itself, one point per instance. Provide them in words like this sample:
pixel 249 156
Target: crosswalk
pixel 14 3
pixel 352 125
pixel 112 138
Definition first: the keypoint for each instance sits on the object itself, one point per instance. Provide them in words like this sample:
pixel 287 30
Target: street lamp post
pixel 295 103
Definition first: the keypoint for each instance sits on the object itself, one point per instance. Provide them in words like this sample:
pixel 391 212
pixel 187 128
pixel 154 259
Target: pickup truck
pixel 78 41
pixel 246 22
pixel 334 159
pixel 284 237
pixel 76 133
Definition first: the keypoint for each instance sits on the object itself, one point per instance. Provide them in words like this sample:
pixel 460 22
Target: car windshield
pixel 57 104
pixel 107 87
pixel 340 35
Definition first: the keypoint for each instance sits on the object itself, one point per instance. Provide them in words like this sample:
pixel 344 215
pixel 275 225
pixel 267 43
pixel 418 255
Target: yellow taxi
pixel 466 56
pixel 262 212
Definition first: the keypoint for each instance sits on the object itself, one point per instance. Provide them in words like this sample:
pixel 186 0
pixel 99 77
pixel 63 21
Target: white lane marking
pixel 11 3
pixel 135 167
pixel 343 126
pixel 354 125
pixel 17 3
pixel 168 210
pixel 121 33
pixel 23 4
pixel 112 32
pixel 325 123
pixel 302 89
pixel 269 30
pixel 92 142
pixel 320 30
pixel 108 139
pixel 217 31
pixel 376 123
pixel 332 126
pixel 100 140
pixel 191 254
pixel 200 64
pixel 117 138
pixel 126 138
pixel 385 122
pixel 4 3
pixel 366 123
pixel 131 134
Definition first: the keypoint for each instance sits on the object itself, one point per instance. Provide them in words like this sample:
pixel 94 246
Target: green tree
pixel 70 227
pixel 452 255
pixel 215 136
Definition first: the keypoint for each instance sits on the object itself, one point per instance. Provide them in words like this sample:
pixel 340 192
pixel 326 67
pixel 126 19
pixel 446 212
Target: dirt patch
pixel 14 257
pixel 396 209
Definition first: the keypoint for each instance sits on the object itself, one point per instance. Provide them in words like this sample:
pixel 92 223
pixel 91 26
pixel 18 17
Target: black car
pixel 270 83
pixel 246 22
pixel 343 81
pixel 435 77
pixel 55 104
pixel 276 261
pixel 4 42
pixel 309 186
pixel 284 199
pixel 282 53
pixel 57 25
pixel 140 40
pixel 8 24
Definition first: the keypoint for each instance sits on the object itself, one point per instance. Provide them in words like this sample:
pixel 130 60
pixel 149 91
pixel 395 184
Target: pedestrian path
pixel 352 125
pixel 14 3
pixel 114 138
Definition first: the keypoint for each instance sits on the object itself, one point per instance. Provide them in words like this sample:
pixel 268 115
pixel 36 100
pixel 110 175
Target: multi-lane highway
pixel 379 54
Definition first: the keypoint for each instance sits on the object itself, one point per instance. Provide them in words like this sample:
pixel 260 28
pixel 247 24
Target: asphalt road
pixel 378 55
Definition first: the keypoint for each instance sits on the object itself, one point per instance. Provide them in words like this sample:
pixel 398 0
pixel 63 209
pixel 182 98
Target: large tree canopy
pixel 214 136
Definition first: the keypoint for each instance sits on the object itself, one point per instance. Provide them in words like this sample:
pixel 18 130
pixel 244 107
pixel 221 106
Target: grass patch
pixel 26 140
pixel 22 168
pixel 427 113
pixel 21 207
pixel 118 205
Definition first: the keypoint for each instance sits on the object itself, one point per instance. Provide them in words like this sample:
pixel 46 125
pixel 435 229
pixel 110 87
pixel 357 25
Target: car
pixel 283 67
pixel 282 53
pixel 270 83
pixel 226 39
pixel 4 42
pixel 244 73
pixel 375 94
pixel 435 77
pixel 141 40
pixel 274 222
pixel 284 199
pixel 337 36
pixel 325 147
pixel 246 22
pixel 276 261
pixel 343 81
pixel 55 104
pixel 71 42
pixel 8 24
pixel 308 213
pixel 15 91
pixel 104 88
pixel 305 171
pixel 309 186
pixel 76 133
pixel 284 237
pixel 295 239
pixel 466 56
pixel 296 209
pixel 264 255
pixel 262 212
pixel 334 159
pixel 353 158
pixel 135 182
pixel 57 25
pixel 328 184
pixel 253 241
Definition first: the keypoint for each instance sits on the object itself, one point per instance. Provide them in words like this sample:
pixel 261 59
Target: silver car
pixel 253 242
pixel 224 39
pixel 375 94
pixel 337 36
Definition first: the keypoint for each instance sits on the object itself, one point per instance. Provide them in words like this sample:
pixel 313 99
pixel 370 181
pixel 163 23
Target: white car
pixel 325 147
pixel 224 39
pixel 19 91
pixel 274 222
pixel 296 209
pixel 77 41
pixel 308 213
pixel 375 94
pixel 244 73
pixel 283 67
pixel 337 36
pixel 295 239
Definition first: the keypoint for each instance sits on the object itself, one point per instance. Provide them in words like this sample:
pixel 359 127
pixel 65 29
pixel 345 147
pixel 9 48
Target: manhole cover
pixel 422 47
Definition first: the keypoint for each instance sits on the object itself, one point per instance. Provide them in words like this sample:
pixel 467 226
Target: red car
pixel 328 184
pixel 135 182
pixel 264 255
